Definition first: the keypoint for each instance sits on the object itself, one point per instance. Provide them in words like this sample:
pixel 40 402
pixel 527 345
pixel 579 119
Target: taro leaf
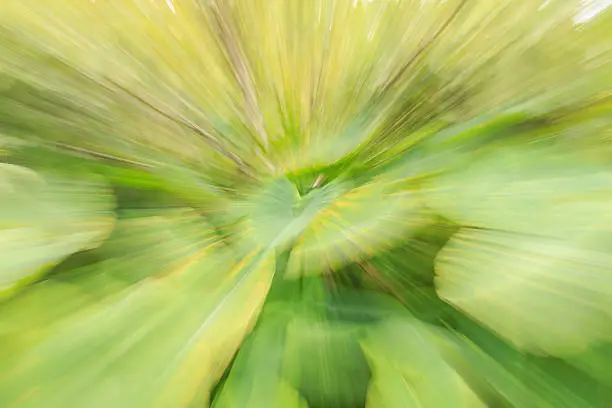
pixel 456 144
pixel 408 370
pixel 544 295
pixel 325 363
pixel 320 354
pixel 505 377
pixel 360 222
pixel 255 377
pixel 276 214
pixel 144 245
pixel 541 191
pixel 45 218
pixel 162 341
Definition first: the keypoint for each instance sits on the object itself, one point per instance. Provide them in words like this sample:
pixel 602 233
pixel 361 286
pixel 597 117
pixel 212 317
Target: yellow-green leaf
pixel 408 371
pixel 44 218
pixel 357 224
pixel 161 341
pixel 543 295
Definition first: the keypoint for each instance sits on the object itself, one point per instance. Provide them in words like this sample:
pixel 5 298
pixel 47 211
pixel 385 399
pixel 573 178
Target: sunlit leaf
pixel 534 283
pixel 408 371
pixel 44 219
pixel 504 376
pixel 145 345
pixel 540 191
pixel 277 214
pixel 357 224
pixel 325 362
pixel 255 379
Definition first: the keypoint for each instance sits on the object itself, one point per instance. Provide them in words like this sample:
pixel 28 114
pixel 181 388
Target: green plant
pixel 304 204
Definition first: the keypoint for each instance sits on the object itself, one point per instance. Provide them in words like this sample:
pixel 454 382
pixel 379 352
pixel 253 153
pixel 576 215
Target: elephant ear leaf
pixel 161 341
pixel 255 378
pixel 534 247
pixel 540 191
pixel 521 286
pixel 357 224
pixel 275 214
pixel 324 361
pixel 409 371
pixel 44 218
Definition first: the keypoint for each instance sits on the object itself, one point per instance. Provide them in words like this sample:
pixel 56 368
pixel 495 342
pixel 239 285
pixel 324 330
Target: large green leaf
pixel 524 286
pixel 306 339
pixel 144 245
pixel 358 223
pixel 533 190
pixel 44 218
pixel 506 377
pixel 255 378
pixel 276 214
pixel 324 361
pixel 162 337
pixel 408 370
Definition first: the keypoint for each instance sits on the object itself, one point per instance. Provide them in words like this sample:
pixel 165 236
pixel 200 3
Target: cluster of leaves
pixel 305 204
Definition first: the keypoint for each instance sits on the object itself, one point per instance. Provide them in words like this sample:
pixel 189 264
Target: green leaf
pixel 324 361
pixel 255 377
pixel 163 340
pixel 144 245
pixel 276 214
pixel 44 219
pixel 522 287
pixel 533 190
pixel 358 223
pixel 504 376
pixel 408 370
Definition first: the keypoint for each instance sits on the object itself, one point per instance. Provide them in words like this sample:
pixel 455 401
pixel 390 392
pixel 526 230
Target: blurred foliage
pixel 292 204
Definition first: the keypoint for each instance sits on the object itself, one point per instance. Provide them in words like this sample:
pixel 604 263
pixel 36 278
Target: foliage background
pixel 305 204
